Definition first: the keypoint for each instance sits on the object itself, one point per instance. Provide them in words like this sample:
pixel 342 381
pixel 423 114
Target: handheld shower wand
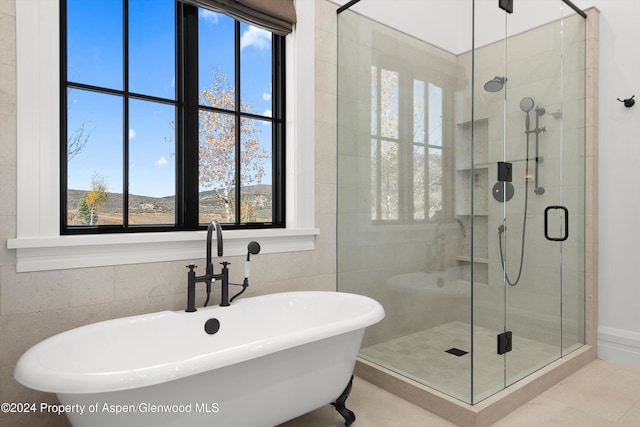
pixel 526 105
pixel 253 248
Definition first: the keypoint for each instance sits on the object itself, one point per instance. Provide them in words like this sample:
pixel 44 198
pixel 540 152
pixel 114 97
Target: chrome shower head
pixel 495 85
pixel 527 104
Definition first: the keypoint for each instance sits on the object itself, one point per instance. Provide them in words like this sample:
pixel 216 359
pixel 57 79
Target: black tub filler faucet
pixel 209 277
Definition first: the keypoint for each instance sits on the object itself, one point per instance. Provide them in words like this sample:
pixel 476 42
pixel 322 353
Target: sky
pixel 95 57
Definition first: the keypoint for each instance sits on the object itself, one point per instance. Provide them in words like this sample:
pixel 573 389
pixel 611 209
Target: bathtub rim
pixel 33 374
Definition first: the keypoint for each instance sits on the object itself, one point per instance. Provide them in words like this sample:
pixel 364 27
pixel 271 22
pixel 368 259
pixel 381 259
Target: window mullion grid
pixel 189 136
pixel 179 115
pixel 125 112
pixel 187 111
pixel 64 158
pixel 238 124
pixel 277 130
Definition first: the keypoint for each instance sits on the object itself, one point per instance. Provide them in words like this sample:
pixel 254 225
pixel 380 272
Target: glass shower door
pixel 532 263
pixel 545 146
pixel 528 299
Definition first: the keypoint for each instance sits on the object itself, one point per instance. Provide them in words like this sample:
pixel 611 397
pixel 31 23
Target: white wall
pixel 619 195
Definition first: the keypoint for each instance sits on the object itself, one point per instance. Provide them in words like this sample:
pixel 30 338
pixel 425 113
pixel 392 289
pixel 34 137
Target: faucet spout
pixel 213 225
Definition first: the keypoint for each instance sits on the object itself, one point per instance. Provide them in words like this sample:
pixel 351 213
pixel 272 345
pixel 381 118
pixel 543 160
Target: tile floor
pixel 422 356
pixel 599 395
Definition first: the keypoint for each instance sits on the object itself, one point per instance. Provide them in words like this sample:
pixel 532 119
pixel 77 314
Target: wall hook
pixel 628 102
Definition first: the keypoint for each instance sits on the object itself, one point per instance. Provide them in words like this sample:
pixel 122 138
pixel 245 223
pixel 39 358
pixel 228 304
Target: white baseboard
pixel 619 345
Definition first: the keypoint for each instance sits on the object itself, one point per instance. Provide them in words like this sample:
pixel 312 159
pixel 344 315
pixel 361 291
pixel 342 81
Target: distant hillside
pixel 258 196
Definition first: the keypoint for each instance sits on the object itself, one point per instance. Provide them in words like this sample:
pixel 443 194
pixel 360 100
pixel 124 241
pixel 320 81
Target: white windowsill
pixel 57 253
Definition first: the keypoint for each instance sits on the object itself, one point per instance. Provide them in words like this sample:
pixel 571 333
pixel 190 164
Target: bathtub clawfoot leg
pixel 339 404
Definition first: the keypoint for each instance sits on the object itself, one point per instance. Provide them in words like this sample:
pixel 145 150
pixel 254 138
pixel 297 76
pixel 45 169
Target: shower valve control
pixel 506 5
pixel 504 171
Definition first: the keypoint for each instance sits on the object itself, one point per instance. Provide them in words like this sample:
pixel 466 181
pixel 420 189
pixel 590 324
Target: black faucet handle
pixel 191 267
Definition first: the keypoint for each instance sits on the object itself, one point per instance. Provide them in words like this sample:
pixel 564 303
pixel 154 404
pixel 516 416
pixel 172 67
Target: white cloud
pixel 266 96
pixel 267 113
pixel 256 37
pixel 162 161
pixel 209 16
pixel 132 133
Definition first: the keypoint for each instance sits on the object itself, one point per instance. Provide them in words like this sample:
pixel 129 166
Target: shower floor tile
pixel 423 357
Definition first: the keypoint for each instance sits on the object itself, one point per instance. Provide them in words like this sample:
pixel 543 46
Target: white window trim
pixel 39 245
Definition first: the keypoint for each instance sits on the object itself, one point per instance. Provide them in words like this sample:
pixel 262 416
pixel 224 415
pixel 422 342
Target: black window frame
pixel 186 130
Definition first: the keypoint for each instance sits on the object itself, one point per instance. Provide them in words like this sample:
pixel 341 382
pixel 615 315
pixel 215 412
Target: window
pixel 171 115
pixel 40 244
pixel 406 148
pixel 427 151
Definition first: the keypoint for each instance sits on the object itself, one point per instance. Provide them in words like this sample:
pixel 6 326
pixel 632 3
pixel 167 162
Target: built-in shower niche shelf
pixel 476 180
pixel 472 199
pixel 480 270
pixel 480 266
pixel 467 283
pixel 477 167
pixel 480 131
pixel 463 258
pixel 481 213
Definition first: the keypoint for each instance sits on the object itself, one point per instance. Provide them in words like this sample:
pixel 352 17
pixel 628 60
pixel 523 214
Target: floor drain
pixel 456 352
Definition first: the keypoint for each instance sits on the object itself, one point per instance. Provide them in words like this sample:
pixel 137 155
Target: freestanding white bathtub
pixel 274 357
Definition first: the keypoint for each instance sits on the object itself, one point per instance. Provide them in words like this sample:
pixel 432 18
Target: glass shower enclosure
pixel 461 185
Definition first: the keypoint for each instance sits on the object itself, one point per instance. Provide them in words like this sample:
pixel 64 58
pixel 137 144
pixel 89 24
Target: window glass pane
pixel 152 47
pixel 94 158
pixel 255 70
pixel 418 111
pixel 152 171
pixel 216 64
pixel 375 188
pixel 435 182
pixel 389 184
pixel 419 172
pixel 389 88
pixel 374 100
pixel 435 115
pixel 217 154
pixel 256 171
pixel 94 42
